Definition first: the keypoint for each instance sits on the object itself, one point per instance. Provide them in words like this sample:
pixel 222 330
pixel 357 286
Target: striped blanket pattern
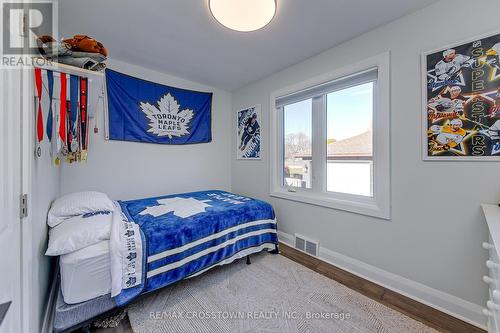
pixel 187 234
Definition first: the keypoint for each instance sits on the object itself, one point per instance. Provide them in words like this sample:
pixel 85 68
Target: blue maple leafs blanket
pixel 159 241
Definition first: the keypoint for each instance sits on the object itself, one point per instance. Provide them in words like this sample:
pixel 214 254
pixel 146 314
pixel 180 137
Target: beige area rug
pixel 273 294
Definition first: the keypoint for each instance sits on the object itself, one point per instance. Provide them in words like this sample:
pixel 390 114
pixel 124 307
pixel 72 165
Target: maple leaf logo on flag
pixel 167 119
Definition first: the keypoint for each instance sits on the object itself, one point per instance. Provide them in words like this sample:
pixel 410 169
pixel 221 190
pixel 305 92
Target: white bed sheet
pixel 86 274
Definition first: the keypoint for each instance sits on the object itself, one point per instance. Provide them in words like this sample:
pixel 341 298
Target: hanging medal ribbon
pixel 68 128
pixel 84 119
pixel 69 136
pixel 62 110
pixel 39 114
pixel 73 128
pixel 50 117
pixel 61 132
pixel 50 81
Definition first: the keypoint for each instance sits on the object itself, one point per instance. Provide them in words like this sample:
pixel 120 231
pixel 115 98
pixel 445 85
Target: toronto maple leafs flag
pixel 145 111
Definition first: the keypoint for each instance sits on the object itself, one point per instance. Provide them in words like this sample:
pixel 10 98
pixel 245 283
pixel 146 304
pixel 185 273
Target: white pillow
pixel 78 232
pixel 76 204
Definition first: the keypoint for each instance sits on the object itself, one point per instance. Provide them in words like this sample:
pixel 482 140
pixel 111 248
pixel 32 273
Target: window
pixel 297 141
pixel 349 115
pixel 331 140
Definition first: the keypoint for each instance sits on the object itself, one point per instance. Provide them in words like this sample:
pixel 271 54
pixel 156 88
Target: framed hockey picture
pixel 461 99
pixel 248 123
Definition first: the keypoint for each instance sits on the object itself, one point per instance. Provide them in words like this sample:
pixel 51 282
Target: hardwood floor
pixel 418 311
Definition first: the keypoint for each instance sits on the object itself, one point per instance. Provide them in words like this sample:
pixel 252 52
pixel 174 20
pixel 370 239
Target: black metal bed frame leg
pixel 85 329
pixel 276 249
pixel 248 260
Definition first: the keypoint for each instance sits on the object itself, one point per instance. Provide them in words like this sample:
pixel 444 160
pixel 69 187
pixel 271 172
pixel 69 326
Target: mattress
pixel 85 274
pixel 69 317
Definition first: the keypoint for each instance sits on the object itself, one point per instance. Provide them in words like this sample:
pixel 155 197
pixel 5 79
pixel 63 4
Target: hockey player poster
pixel 248 133
pixel 462 101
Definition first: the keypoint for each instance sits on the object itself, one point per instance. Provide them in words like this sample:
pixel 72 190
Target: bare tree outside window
pixel 298 144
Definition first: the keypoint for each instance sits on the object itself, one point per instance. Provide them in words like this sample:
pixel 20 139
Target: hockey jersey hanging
pixel 145 111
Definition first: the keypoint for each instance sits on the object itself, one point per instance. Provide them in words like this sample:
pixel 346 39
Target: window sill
pixel 349 203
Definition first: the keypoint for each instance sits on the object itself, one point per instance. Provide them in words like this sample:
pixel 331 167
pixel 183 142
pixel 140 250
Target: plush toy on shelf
pixel 83 43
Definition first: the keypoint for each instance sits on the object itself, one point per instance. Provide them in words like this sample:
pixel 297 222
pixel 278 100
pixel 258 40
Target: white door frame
pixel 13 109
pixel 27 153
pixel 11 189
pixel 27 137
pixel 29 254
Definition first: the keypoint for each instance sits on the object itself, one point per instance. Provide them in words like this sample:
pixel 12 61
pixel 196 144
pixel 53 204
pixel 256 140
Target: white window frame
pixel 379 204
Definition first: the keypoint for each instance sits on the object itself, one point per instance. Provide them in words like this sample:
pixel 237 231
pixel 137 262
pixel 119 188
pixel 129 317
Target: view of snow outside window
pixel 349 141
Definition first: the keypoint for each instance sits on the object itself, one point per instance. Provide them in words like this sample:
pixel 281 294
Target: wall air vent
pixel 307 245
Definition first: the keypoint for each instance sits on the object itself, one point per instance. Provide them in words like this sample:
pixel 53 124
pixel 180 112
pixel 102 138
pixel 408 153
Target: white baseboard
pixel 444 302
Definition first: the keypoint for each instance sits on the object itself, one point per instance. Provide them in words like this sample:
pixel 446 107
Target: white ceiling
pixel 180 37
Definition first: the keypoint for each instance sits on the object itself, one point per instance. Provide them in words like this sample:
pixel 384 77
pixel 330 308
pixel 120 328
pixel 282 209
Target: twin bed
pixel 156 242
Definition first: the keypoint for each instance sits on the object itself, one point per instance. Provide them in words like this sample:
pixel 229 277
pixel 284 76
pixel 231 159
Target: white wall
pixel 435 235
pixel 126 170
pixel 45 182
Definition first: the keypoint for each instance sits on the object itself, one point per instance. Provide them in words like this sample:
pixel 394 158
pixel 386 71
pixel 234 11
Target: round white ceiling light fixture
pixel 243 15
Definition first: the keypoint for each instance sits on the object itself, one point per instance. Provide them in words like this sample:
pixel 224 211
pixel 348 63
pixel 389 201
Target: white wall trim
pixel 444 302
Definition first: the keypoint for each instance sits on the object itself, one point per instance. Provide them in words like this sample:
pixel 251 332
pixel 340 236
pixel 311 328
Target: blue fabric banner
pixel 145 111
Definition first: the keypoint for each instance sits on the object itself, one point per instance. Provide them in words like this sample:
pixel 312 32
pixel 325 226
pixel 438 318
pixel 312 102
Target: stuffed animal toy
pixel 85 43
